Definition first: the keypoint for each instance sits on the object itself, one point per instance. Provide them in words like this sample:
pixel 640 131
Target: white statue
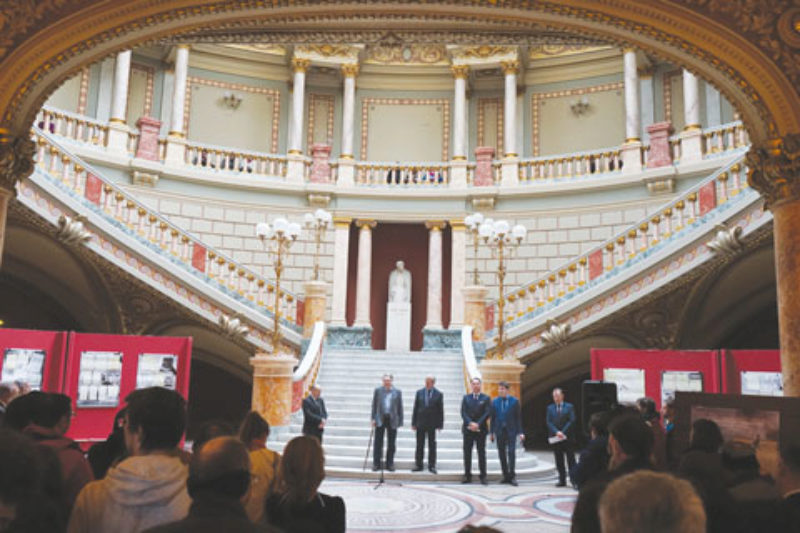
pixel 400 284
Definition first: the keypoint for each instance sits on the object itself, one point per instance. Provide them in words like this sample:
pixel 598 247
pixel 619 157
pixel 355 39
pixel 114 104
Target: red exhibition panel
pixel 52 343
pixel 94 412
pixel 655 362
pixel 737 361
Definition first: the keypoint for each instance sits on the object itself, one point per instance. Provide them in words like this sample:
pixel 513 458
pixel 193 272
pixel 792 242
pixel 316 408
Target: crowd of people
pixel 631 478
pixel 141 479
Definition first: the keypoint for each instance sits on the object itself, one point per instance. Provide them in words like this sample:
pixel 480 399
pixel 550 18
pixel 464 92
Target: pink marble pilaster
pixel 148 138
pixel 660 154
pixel 484 174
pixel 320 163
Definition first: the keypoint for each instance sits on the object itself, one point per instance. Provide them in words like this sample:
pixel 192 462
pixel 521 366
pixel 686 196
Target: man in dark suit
pixel 387 416
pixel 506 427
pixel 475 410
pixel 315 416
pixel 428 416
pixel 561 425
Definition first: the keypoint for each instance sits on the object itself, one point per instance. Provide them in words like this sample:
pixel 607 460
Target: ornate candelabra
pixel 277 239
pixel 473 223
pixel 319 221
pixel 503 241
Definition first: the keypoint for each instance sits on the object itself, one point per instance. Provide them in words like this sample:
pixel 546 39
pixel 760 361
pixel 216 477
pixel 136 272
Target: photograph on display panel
pixel 673 381
pixel 629 381
pixel 25 365
pixel 756 383
pixel 99 379
pixel 157 370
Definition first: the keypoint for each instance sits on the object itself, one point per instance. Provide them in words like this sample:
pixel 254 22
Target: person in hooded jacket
pixel 149 487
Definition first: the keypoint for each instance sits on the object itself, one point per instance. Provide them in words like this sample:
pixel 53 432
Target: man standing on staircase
pixel 387 416
pixel 428 416
pixel 314 413
pixel 475 410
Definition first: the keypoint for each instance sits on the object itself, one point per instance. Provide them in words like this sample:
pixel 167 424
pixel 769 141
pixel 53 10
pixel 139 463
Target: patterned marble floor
pixel 443 507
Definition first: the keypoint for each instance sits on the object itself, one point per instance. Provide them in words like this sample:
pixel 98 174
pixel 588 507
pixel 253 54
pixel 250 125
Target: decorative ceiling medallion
pixel 541 51
pixel 407 54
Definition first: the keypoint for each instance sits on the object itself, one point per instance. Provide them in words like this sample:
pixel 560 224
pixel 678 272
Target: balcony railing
pixel 72 126
pixel 210 157
pixel 422 174
pixel 576 165
pixel 724 138
pixel 147 224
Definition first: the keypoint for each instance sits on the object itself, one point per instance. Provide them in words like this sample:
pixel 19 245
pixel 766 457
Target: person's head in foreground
pixel 630 439
pixel 221 468
pixel 302 469
pixel 651 502
pixel 154 421
pixel 706 436
pixel 254 431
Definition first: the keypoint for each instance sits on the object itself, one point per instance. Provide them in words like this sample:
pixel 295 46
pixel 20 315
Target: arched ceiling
pixel 743 48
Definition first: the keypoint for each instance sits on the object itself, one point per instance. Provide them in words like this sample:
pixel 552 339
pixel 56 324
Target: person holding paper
pixel 560 430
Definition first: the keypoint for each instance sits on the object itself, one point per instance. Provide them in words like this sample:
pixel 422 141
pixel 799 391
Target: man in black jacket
pixel 314 413
pixel 475 410
pixel 428 416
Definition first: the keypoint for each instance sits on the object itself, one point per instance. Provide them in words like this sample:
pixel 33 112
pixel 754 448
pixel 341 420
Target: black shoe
pixel 417 469
pixel 483 480
pixel 561 484
pixel 513 482
pixel 375 468
pixel 390 468
pixel 432 469
pixel 504 481
pixel 466 479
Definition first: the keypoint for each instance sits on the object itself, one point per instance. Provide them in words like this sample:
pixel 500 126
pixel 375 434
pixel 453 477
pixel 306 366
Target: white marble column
pixel 434 314
pixel 299 67
pixel 458 273
pixel 713 106
pixel 364 274
pixel 119 97
pixel 341 250
pixel 460 73
pixel 510 69
pixel 691 101
pixel 104 90
pixel 647 102
pixel 349 71
pixel 179 91
pixel 632 113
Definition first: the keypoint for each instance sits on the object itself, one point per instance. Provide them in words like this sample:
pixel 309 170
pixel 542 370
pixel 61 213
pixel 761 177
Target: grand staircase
pixel 348 378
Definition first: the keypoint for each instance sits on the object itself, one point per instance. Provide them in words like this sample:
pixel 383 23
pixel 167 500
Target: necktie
pixel 505 404
pixel 427 397
pixel 475 396
pixel 558 409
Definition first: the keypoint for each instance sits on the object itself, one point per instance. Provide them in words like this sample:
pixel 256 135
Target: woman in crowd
pixel 297 507
pixel 263 464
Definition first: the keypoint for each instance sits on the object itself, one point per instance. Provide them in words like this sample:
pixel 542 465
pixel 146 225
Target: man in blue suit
pixel 560 429
pixel 475 410
pixel 428 416
pixel 506 427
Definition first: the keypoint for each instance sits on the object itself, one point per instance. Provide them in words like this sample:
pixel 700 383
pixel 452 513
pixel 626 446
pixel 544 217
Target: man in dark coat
pixel 428 416
pixel 387 416
pixel 315 416
pixel 475 410
pixel 506 428
pixel 560 430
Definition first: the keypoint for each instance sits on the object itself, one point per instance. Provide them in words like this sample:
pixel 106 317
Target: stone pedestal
pixel 475 315
pixel 346 176
pixel 118 138
pixel 352 338
pixel 437 339
pixel 320 163
pixel 631 156
pixel 660 154
pixel 272 387
pixel 691 144
pixel 176 151
pixel 458 173
pixel 316 296
pixel 497 370
pixel 148 138
pixel 484 172
pixel 509 172
pixel 398 326
pixel 295 168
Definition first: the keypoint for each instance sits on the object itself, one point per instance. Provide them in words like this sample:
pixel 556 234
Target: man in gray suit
pixel 387 416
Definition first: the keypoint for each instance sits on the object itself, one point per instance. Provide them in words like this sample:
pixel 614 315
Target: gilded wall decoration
pixel 263 48
pixel 484 51
pixel 409 54
pixel 774 169
pixel 541 51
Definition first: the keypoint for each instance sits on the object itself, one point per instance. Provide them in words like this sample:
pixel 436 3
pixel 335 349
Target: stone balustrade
pixel 72 126
pixel 231 160
pixel 724 138
pixel 402 174
pixel 568 166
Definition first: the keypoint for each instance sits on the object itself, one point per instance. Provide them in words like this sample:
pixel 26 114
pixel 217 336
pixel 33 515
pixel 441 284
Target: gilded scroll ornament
pixel 774 169
pixel 16 160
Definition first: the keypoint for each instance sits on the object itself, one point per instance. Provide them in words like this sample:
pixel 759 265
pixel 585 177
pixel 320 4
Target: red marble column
pixel 786 232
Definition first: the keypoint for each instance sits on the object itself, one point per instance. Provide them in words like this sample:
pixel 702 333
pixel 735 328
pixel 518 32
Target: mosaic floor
pixel 441 507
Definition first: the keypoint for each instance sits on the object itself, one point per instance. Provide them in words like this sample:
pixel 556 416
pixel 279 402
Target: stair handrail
pixel 112 201
pixel 554 285
pixel 470 361
pixel 305 375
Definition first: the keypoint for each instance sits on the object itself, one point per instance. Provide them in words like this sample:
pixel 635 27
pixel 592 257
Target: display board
pixel 101 370
pixel 34 357
pixel 752 372
pixel 656 373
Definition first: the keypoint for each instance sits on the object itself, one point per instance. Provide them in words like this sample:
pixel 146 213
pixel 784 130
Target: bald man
pixel 219 478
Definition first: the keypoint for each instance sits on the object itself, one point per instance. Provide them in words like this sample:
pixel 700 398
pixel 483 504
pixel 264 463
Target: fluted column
pixel 341 249
pixel 434 314
pixel 632 112
pixel 119 96
pixel 460 73
pixel 691 137
pixel 364 274
pixel 458 273
pixel 299 67
pixel 510 70
pixel 179 91
pixel 349 71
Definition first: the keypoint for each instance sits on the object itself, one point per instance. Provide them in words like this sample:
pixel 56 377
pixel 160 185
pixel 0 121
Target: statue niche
pixel 398 310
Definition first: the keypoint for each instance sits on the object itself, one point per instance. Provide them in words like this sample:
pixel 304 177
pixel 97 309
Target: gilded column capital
pixel 342 222
pixel 435 225
pixel 460 71
pixel 368 223
pixel 510 66
pixel 457 224
pixel 350 70
pixel 300 64
pixel 16 160
pixel 774 169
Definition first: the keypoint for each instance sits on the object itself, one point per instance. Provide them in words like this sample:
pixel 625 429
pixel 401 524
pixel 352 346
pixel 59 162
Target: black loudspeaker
pixel 596 396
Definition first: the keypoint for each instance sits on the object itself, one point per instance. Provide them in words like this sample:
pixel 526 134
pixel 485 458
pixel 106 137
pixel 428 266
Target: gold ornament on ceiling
pixel 328 50
pixel 483 52
pixel 262 48
pixel 554 50
pixel 410 54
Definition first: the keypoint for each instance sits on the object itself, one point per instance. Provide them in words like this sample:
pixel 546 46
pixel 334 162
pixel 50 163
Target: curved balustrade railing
pixel 611 257
pixel 72 126
pixel 306 372
pixel 575 165
pixel 131 215
pixel 470 361
pixel 211 157
pixel 724 138
pixel 384 173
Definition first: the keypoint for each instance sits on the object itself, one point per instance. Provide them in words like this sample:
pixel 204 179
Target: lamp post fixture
pixel 473 223
pixel 503 240
pixel 277 239
pixel 319 221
